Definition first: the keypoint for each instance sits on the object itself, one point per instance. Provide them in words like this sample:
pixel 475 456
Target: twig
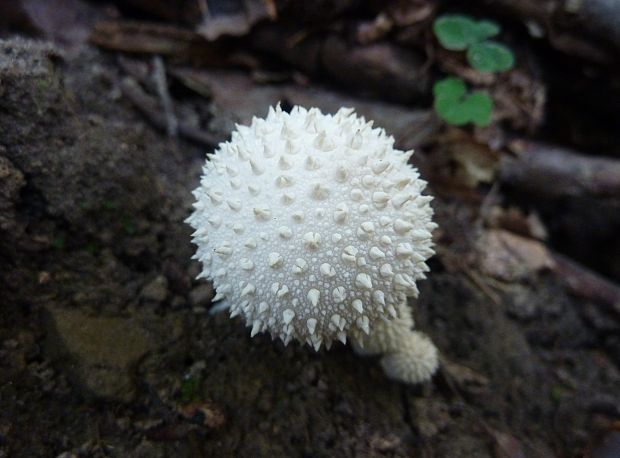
pixel 144 37
pixel 547 170
pixel 148 107
pixel 161 83
pixel 583 282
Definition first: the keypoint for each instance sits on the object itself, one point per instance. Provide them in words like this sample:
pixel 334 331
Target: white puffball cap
pixel 312 226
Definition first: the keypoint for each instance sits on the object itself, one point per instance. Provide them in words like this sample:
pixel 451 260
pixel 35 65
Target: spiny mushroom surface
pixel 313 227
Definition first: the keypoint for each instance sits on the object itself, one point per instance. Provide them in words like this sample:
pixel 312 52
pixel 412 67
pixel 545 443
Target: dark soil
pixel 107 347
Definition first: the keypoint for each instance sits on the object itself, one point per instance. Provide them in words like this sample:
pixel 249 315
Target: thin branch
pixel 542 169
pixel 150 109
pixel 583 282
pixel 161 83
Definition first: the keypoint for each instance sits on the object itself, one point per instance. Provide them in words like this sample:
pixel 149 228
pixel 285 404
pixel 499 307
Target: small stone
pixel 201 295
pixel 100 351
pixel 156 290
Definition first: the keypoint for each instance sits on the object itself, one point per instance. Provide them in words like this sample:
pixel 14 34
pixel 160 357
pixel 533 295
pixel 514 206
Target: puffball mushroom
pixel 314 228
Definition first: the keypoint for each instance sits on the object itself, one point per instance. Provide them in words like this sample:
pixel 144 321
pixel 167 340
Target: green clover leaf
pixel 479 107
pixel 486 29
pixel 456 108
pixel 452 88
pixel 458 32
pixel 490 56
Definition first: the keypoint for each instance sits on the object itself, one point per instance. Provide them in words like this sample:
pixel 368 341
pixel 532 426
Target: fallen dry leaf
pixel 219 19
pixel 506 445
pixel 510 257
pixel 368 32
pixel 473 162
pixel 410 12
pixel 204 413
pixel 463 376
pixel 514 220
